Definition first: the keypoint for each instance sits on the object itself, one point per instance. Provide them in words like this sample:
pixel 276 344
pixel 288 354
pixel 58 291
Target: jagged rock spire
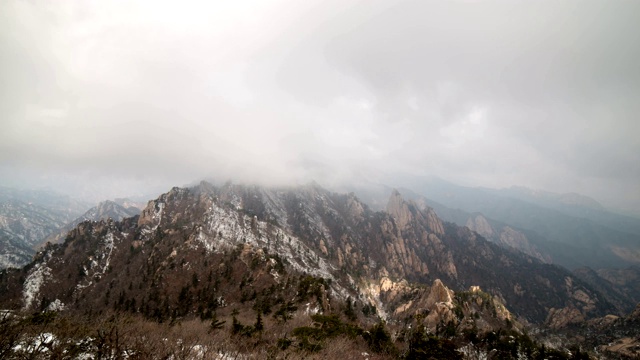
pixel 398 208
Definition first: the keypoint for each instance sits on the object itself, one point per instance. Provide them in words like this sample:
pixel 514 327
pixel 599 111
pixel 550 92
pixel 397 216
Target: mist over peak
pixel 113 99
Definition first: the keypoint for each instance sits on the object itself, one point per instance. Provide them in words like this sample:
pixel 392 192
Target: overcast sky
pixel 118 97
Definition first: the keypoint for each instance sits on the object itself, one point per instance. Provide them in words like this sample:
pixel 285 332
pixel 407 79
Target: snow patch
pixel 225 228
pixel 32 284
pixel 98 262
pixel 38 344
pixel 470 351
pixel 56 305
pixel 159 208
pixel 311 310
pixel 275 275
pixel 109 246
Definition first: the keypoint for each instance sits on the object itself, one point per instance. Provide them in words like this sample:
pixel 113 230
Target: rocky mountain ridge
pixel 327 235
pixel 235 253
pixel 575 230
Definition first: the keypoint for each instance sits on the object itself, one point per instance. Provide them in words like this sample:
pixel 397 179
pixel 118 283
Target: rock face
pixel 480 225
pixel 621 287
pixel 615 337
pixel 439 294
pixel 440 306
pixel 399 210
pixel 373 256
pixel 560 318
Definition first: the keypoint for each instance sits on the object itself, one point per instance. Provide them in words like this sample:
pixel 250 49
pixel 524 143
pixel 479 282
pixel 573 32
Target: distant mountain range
pixel 28 219
pixel 105 210
pixel 573 230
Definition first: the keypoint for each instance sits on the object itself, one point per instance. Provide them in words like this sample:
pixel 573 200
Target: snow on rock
pixel 11 261
pixel 56 305
pixel 108 246
pixel 311 310
pixel 32 284
pixel 98 263
pixel 151 216
pixel 274 205
pixel 226 228
pixel 470 351
pixel 35 345
pixel 158 214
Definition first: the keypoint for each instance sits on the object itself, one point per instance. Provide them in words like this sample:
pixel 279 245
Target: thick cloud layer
pixel 120 96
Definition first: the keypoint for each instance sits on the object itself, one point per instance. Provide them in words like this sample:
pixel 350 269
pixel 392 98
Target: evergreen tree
pixel 258 326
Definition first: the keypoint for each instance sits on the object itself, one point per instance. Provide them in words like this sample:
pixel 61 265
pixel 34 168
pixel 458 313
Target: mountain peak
pixel 439 293
pixel 398 208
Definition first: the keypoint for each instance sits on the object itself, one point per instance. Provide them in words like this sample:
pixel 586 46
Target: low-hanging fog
pixel 119 97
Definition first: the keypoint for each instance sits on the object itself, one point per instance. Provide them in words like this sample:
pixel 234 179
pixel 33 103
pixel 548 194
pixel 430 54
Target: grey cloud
pixel 543 94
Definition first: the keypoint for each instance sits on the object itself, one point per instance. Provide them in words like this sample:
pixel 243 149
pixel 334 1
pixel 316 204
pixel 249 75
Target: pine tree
pixel 258 326
pixel 351 315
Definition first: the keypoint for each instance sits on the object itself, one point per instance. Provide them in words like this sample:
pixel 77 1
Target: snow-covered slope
pixel 22 226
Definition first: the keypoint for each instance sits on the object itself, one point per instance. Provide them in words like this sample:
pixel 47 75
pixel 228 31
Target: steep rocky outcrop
pixel 480 225
pixel 438 306
pixel 621 287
